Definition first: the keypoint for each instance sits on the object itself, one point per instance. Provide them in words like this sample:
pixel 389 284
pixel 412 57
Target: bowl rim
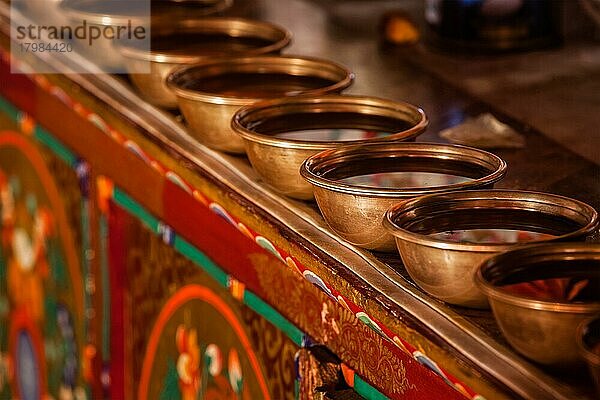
pixel 322 102
pixel 425 148
pixel 568 251
pixel 260 62
pixel 106 19
pixel 226 24
pixel 584 351
pixel 488 194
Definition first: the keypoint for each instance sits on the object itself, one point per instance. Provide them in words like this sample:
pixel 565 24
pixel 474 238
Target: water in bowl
pixel 490 236
pixel 338 135
pixel 203 44
pixel 404 180
pixel 257 85
pixel 572 290
pixel 330 126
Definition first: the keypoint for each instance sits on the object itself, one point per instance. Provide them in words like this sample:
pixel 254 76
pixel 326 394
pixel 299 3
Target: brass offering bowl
pixel 133 13
pixel 540 295
pixel 280 134
pixel 588 343
pixel 354 186
pixel 49 11
pixel 191 41
pixel 443 238
pixel 209 94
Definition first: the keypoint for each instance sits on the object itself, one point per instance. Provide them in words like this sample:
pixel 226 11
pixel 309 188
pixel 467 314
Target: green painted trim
pixel 40 134
pixel 8 109
pixel 267 312
pixel 136 209
pixel 201 260
pixel 367 391
pixel 61 151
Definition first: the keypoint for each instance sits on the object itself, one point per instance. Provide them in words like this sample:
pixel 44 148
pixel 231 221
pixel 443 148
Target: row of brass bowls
pixel 444 267
pixel 356 212
pixel 525 288
pixel 269 132
pixel 227 110
pixel 192 41
pixel 103 13
pixel 209 94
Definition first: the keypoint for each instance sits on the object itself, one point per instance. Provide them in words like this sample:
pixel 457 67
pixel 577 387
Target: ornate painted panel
pixel 190 338
pixel 46 314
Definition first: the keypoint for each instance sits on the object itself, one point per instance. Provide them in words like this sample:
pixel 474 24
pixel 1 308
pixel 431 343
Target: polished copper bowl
pixel 49 11
pixel 354 207
pixel 428 234
pixel 268 131
pixel 191 41
pixel 105 51
pixel 588 343
pixel 209 94
pixel 540 294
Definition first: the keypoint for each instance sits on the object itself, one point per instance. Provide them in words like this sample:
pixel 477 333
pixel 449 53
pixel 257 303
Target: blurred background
pixel 535 61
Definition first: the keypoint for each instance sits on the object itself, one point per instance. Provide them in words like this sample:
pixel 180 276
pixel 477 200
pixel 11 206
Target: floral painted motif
pixel 188 360
pixel 27 260
pixel 214 359
pixel 203 378
pixel 206 378
pixel 39 305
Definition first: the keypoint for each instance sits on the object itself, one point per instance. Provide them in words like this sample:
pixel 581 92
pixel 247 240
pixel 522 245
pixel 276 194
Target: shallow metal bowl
pixel 48 12
pixel 190 41
pixel 540 294
pixel 588 343
pixel 443 238
pixel 246 80
pixel 105 51
pixel 277 133
pixel 354 186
